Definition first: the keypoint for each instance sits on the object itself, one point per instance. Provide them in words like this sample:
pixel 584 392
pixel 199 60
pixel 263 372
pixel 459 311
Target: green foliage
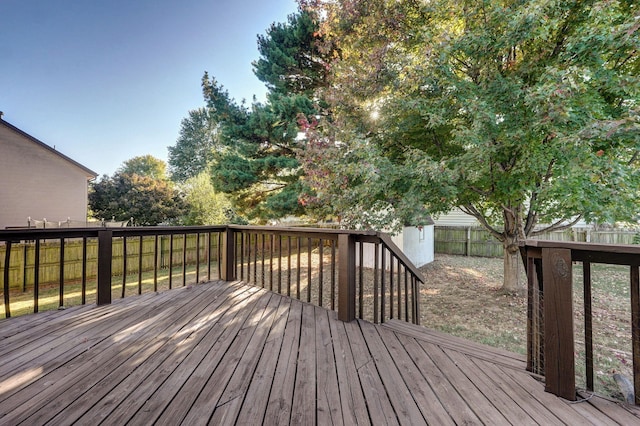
pixel 258 166
pixel 146 200
pixel 291 61
pixel 204 206
pixel 521 113
pixel 196 145
pixel 144 165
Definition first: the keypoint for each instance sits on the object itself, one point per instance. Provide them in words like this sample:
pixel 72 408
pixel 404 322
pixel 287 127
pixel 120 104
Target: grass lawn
pixel 462 297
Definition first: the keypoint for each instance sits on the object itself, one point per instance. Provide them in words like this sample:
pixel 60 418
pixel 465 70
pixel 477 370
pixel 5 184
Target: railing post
pixel 105 237
pixel 228 255
pixel 635 328
pixel 346 277
pixel 559 362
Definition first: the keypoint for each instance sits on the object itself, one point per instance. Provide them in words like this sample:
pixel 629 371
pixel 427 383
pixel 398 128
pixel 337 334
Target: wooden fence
pixel 477 241
pixel 22 261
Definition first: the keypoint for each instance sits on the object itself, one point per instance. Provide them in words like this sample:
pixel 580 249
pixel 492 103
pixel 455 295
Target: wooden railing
pixel 140 250
pixel 359 274
pixel 550 317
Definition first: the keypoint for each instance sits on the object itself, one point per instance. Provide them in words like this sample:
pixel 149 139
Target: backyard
pixel 463 298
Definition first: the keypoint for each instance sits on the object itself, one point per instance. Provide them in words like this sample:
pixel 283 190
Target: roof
pixel 47 147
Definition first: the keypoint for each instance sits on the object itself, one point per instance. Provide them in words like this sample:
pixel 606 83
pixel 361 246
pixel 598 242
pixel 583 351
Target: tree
pixel 144 165
pixel 205 206
pixel 196 145
pixel 258 166
pixel 292 60
pixel 523 114
pixel 145 199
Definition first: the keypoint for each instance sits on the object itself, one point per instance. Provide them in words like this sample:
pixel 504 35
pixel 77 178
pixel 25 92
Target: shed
pixel 416 240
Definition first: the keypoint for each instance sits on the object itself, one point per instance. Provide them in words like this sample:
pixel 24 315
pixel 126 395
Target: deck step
pixel 477 350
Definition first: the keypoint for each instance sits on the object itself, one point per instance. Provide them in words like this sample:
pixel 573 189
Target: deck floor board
pixel 229 353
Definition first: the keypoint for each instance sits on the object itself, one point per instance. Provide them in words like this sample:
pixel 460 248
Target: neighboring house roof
pixel 90 173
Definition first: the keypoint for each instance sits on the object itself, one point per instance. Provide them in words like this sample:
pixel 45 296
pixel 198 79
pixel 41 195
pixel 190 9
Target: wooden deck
pixel 228 353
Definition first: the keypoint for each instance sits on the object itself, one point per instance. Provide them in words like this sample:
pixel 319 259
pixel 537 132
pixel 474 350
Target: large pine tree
pixel 258 165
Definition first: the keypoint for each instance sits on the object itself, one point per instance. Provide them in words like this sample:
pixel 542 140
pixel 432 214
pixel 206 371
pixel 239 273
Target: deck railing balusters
pixel 376 261
pixel 170 260
pixel 588 324
pixel 289 265
pixel 124 266
pixel 7 264
pixel 140 266
pixel 320 270
pixel 298 268
pixel 383 289
pixel 391 289
pixel 360 280
pixel 333 274
pixel 237 248
pixel 262 260
pixel 550 348
pixel 271 239
pixel 309 266
pixel 155 263
pixel 84 271
pixel 61 279
pixel 36 277
pixel 634 280
pixel 406 295
pixel 197 258
pixel 184 260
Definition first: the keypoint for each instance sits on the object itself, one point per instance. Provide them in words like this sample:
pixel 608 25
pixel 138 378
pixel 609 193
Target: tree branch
pixel 472 211
pixel 532 216
pixel 557 226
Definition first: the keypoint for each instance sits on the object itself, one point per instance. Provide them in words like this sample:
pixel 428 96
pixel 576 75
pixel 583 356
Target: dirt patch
pixel 462 297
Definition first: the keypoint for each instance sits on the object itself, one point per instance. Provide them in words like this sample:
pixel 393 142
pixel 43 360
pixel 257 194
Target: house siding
pixel 456 217
pixel 37 182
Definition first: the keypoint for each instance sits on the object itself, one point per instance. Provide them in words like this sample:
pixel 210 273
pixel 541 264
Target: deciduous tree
pixel 128 195
pixel 195 148
pixel 525 114
pixel 144 165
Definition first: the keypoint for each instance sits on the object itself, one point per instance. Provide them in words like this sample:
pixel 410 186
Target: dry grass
pixel 463 298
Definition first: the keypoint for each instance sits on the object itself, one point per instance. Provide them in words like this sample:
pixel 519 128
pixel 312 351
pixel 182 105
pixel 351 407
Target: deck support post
pixel 346 277
pixel 105 255
pixel 559 362
pixel 228 252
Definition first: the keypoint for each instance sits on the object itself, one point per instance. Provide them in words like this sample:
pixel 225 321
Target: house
pixel 456 217
pixel 38 182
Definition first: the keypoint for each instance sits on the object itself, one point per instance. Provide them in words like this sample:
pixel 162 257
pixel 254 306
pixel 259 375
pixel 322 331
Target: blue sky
pixel 105 81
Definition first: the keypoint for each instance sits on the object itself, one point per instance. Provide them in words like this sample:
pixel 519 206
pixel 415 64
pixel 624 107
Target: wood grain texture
pixel 229 353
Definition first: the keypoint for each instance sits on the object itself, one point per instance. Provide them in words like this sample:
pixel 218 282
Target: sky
pixel 105 81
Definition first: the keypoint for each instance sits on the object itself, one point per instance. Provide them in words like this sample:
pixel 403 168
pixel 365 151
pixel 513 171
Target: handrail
pixel 280 258
pixel 237 250
pixel 550 320
pixel 386 239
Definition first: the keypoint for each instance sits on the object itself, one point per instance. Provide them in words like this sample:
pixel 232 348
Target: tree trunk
pixel 512 268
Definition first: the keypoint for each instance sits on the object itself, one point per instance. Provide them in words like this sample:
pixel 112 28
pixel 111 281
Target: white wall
pixel 416 244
